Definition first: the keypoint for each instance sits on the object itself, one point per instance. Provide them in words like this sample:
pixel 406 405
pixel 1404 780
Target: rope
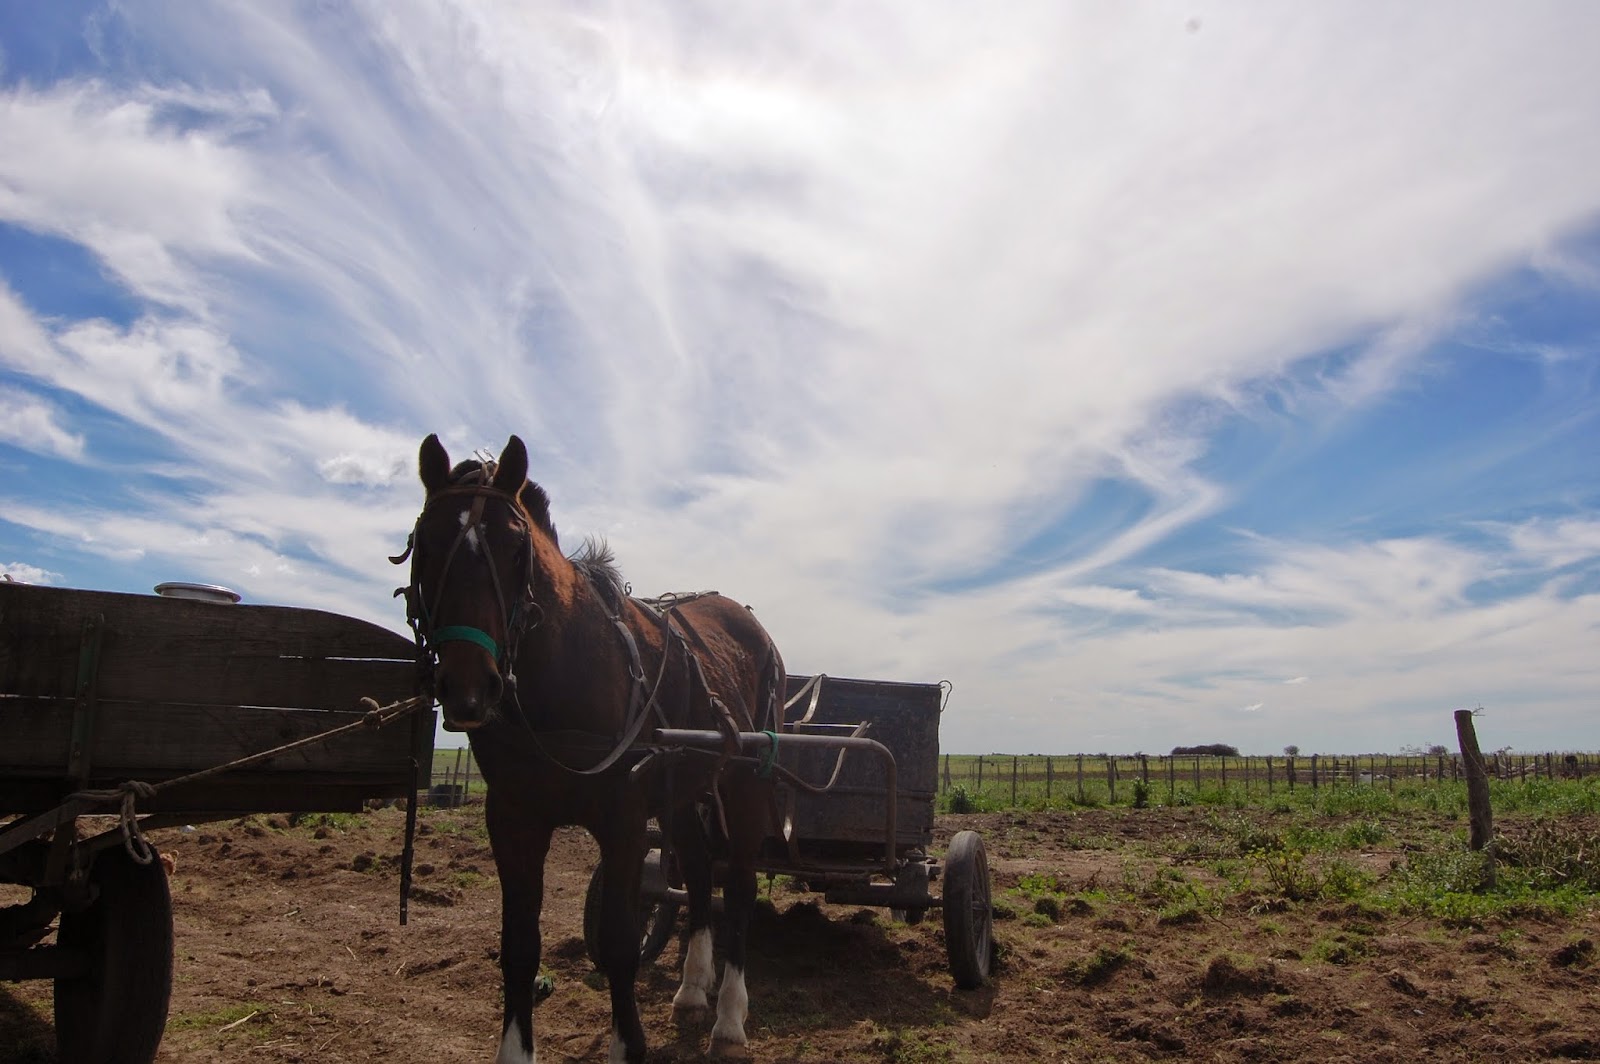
pixel 770 757
pixel 130 791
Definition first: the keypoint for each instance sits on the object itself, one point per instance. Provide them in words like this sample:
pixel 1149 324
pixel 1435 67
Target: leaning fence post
pixel 1478 810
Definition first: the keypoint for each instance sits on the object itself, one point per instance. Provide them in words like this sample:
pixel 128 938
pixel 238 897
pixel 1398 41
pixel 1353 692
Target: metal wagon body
pixel 855 820
pixel 98 689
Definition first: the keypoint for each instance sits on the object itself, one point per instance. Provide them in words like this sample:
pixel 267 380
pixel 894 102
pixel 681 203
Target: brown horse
pixel 558 677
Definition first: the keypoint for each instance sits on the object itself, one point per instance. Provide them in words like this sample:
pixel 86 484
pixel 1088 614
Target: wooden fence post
pixel 1313 771
pixel 1080 779
pixel 1478 810
pixel 1013 781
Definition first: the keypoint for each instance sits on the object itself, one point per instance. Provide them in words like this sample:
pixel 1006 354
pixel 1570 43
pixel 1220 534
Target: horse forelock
pixel 531 500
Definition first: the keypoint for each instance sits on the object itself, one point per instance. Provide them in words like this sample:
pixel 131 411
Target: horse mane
pixel 596 562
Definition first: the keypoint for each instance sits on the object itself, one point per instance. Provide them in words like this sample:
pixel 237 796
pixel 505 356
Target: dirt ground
pixel 289 949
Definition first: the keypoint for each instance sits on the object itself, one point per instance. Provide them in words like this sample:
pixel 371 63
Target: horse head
pixel 471 595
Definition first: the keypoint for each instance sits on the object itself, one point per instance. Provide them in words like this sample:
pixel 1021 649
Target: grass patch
pixel 252 1014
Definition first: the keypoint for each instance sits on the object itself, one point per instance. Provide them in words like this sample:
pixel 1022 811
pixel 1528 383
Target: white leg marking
pixel 699 973
pixel 511 1048
pixel 619 1052
pixel 732 1007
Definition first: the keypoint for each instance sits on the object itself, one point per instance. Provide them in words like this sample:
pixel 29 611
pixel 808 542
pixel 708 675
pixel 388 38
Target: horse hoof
pixel 690 1004
pixel 723 1050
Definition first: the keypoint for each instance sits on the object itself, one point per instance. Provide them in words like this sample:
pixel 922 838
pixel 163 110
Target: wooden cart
pixel 99 689
pixel 858 826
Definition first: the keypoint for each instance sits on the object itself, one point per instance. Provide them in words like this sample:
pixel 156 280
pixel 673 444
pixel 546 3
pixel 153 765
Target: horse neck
pixel 570 652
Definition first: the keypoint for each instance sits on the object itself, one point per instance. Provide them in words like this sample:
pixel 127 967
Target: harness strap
pixel 640 700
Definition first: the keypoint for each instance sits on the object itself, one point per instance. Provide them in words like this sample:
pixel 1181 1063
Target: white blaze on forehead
pixel 472 533
pixel 511 1048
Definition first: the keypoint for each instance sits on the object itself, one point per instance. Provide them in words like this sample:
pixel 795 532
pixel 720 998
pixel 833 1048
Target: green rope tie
pixel 771 756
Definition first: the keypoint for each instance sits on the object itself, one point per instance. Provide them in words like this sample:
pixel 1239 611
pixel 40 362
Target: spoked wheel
pixel 968 916
pixel 116 1011
pixel 656 922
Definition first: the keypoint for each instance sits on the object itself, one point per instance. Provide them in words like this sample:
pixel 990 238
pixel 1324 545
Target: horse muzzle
pixel 468 708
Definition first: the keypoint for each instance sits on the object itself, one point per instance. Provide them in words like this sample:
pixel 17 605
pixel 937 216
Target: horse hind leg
pixel 747 824
pixel 621 859
pixel 694 859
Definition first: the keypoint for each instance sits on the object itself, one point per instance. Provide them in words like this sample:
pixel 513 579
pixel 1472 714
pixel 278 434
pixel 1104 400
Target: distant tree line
pixel 1208 750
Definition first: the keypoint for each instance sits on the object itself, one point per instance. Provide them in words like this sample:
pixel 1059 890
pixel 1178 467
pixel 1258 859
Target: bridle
pixel 516 616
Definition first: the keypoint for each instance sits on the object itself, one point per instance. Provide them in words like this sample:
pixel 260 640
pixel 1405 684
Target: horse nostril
pixel 441 688
pixel 497 688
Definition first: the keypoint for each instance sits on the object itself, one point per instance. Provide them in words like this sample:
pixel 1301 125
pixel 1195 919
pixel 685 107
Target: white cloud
pixel 1556 543
pixel 23 573
pixel 29 422
pixel 837 313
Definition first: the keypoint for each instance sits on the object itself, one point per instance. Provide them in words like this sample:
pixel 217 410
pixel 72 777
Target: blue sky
pixel 1155 373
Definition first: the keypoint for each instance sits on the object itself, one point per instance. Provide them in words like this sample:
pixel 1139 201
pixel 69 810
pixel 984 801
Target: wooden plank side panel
pixel 158 740
pixel 178 650
pixel 235 794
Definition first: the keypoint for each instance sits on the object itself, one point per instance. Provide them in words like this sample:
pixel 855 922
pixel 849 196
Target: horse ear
pixel 511 472
pixel 433 464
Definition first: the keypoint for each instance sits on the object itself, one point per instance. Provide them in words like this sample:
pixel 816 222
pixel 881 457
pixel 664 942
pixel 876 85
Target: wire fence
pixel 1023 779
pixel 1108 779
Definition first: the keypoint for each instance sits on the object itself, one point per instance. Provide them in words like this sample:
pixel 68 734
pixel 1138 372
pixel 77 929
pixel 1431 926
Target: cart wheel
pixel 116 1012
pixel 655 925
pixel 968 917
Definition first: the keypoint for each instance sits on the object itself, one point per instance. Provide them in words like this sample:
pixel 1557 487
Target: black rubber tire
pixel 968 915
pixel 116 1013
pixel 655 927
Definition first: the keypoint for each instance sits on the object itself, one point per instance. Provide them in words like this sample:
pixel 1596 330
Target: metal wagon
pixel 856 808
pixel 122 704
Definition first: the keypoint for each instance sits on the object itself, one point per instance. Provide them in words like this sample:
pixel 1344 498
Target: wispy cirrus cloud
pixel 1038 355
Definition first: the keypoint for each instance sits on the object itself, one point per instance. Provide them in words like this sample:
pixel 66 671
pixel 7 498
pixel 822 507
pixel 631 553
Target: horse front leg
pixel 520 849
pixel 621 862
